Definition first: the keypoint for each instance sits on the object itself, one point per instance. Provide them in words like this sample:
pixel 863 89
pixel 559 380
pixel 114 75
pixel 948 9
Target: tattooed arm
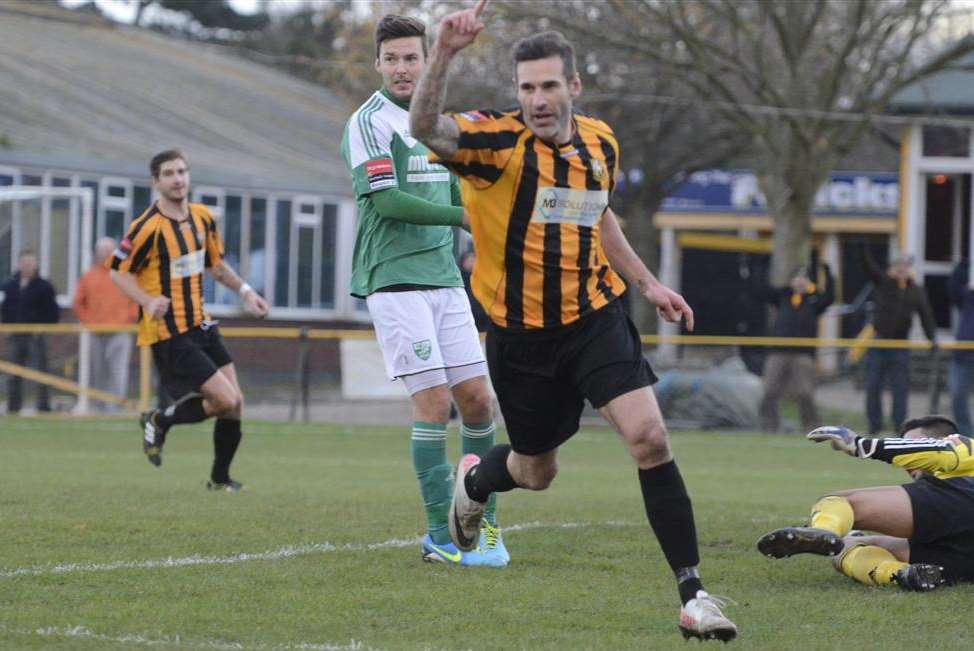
pixel 426 120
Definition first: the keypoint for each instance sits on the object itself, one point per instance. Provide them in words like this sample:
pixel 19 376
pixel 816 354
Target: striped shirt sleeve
pixel 486 143
pixel 612 161
pixel 214 243
pixel 368 150
pixel 132 253
pixel 953 454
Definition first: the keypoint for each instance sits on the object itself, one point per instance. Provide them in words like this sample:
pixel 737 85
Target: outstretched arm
pixel 426 120
pixel 953 454
pixel 393 203
pixel 670 305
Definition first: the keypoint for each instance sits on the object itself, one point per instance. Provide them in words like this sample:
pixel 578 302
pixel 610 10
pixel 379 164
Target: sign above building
pixel 853 194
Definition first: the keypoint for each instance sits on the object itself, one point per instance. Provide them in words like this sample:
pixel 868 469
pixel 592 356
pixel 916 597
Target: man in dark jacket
pixel 896 298
pixel 28 298
pixel 962 364
pixel 791 370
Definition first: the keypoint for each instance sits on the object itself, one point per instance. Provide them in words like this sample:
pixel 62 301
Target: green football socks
pixel 435 476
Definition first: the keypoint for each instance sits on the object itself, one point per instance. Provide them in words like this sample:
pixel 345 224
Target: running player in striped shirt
pixel 926 526
pixel 536 184
pixel 160 266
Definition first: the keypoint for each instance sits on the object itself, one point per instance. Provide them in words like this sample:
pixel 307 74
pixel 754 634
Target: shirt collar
pixel 398 102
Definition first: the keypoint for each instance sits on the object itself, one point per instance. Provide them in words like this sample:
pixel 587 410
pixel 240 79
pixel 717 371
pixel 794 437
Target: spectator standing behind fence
pixel 28 298
pixel 790 370
pixel 896 298
pixel 962 364
pixel 99 302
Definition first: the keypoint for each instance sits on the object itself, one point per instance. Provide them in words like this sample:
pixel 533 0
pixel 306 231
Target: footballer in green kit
pixel 403 267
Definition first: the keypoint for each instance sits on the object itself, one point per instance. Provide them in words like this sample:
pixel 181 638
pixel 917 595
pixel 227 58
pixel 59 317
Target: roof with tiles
pixel 79 91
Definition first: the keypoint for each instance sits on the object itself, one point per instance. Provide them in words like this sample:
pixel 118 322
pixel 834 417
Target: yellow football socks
pixel 833 514
pixel 871 565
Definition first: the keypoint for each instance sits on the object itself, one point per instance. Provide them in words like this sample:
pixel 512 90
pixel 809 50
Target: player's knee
pixel 540 477
pixel 226 404
pixel 477 407
pixel 439 410
pixel 649 434
pixel 432 408
pixel 236 410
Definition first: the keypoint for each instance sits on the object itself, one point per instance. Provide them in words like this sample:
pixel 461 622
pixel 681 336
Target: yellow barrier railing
pixel 297 333
pixel 272 332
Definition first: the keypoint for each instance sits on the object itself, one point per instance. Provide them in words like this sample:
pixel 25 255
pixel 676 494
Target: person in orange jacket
pixel 99 302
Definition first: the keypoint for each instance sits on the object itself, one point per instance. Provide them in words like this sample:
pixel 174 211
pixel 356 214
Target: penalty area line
pixel 282 553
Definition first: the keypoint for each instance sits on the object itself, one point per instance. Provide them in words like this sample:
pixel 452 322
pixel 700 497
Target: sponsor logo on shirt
pixel 569 206
pixel 420 170
pixel 380 173
pixel 473 116
pixel 188 265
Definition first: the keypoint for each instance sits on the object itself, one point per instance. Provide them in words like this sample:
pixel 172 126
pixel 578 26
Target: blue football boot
pixel 492 546
pixel 449 554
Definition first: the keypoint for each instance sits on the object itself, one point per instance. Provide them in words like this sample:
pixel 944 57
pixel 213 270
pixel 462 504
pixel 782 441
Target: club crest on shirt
pixel 473 116
pixel 598 170
pixel 422 349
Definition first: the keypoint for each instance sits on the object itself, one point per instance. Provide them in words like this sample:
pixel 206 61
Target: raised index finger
pixel 479 8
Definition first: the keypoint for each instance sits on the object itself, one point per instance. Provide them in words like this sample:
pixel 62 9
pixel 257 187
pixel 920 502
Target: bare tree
pixel 662 140
pixel 800 80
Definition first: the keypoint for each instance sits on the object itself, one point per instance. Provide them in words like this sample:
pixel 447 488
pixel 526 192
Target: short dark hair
pixel 164 157
pixel 544 45
pixel 936 427
pixel 393 26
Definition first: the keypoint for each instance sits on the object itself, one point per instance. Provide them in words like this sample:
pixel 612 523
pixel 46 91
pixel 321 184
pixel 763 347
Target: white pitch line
pixel 272 555
pixel 81 632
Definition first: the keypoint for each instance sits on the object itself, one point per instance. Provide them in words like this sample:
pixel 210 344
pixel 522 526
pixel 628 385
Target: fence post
pixel 84 370
pixel 303 388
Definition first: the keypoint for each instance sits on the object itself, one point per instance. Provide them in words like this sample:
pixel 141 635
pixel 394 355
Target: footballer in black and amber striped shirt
pixel 536 184
pixel 160 265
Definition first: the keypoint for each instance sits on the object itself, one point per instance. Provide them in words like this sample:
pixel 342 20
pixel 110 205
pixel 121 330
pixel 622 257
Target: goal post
pixel 33 216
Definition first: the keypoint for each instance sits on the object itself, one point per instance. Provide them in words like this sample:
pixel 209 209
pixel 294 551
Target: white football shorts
pixel 427 330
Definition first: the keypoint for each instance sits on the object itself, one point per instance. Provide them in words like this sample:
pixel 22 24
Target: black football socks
pixel 490 475
pixel 226 438
pixel 670 514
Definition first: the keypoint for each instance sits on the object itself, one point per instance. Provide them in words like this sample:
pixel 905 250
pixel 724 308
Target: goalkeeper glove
pixel 841 438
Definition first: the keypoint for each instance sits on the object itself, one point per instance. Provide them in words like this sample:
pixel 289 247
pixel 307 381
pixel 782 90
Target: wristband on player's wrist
pixel 244 288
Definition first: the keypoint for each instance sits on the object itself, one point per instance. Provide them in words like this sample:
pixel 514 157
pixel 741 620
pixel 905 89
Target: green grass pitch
pixel 319 551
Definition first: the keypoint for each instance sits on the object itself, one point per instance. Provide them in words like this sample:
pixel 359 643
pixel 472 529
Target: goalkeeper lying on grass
pixel 927 525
